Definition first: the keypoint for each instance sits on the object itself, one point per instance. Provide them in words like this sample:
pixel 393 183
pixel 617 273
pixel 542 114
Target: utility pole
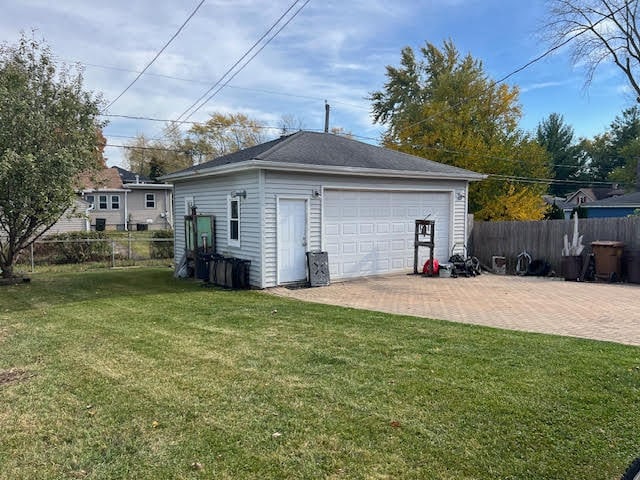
pixel 326 117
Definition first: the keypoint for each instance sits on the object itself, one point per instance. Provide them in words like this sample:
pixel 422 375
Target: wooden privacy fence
pixel 544 239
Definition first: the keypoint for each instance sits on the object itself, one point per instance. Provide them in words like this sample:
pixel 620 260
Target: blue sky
pixel 333 50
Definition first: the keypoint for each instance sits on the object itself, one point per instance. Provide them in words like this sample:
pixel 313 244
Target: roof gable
pixel 131 177
pixel 628 200
pixel 106 179
pixel 318 150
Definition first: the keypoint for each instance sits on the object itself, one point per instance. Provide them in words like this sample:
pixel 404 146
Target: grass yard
pixel 132 374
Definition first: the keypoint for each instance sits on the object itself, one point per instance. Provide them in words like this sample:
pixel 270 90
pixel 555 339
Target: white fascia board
pixel 617 205
pixel 149 186
pixel 326 169
pixel 104 190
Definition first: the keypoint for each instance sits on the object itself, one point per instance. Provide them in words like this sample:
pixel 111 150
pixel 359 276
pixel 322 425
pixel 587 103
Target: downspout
pixel 126 209
pixel 87 219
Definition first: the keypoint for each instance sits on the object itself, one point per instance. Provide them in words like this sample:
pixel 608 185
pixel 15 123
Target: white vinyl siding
pixel 303 186
pixel 210 195
pixel 258 212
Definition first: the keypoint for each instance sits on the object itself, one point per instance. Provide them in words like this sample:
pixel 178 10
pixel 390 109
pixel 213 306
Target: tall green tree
pixel 222 134
pixel 566 164
pixel 49 133
pixel 612 155
pixel 174 150
pixel 444 107
pixel 156 157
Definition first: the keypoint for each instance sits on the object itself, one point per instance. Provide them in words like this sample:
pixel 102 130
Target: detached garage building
pixel 318 191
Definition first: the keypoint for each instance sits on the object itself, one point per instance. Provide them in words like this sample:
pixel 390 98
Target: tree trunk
pixel 7 271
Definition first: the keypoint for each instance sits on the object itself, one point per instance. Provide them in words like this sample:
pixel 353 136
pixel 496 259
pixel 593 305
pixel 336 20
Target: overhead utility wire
pixel 248 61
pixel 206 82
pixel 157 55
pixel 511 178
pixel 257 42
pixel 517 70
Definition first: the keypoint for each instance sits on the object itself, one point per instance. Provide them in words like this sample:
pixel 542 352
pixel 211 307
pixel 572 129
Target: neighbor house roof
pixel 130 177
pixel 106 179
pixel 628 200
pixel 324 152
pixel 596 193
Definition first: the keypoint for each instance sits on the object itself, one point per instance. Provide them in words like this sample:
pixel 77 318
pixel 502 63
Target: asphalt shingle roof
pixel 130 177
pixel 323 149
pixel 628 200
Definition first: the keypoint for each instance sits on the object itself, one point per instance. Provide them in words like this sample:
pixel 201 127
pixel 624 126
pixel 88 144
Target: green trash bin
pixel 608 256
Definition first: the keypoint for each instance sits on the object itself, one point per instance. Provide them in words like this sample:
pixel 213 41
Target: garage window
pixel 233 210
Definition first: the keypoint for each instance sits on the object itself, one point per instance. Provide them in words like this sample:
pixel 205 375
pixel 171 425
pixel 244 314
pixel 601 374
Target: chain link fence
pixel 84 250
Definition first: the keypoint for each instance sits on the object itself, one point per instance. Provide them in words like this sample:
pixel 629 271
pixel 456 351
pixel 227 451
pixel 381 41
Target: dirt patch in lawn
pixel 13 375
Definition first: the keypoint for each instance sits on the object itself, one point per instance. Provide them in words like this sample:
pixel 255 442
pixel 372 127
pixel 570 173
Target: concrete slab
pixel 599 311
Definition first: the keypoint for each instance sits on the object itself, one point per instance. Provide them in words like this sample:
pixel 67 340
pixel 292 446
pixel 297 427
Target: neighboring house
pixel 582 196
pixel 74 219
pixel 619 206
pixel 316 191
pixel 119 205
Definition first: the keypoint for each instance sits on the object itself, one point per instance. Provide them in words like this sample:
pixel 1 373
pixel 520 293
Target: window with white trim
pixel 233 209
pixel 103 202
pixel 150 200
pixel 115 202
pixel 90 199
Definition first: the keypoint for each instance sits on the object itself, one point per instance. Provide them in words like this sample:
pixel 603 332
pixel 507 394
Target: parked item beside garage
pixel 445 270
pixel 571 267
pixel 608 256
pixel 632 265
pixel 499 265
pixel 464 265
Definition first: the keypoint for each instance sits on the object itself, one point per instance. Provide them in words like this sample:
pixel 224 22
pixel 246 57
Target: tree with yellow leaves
pixel 445 108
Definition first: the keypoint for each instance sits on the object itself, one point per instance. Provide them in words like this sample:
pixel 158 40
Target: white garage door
pixel 372 232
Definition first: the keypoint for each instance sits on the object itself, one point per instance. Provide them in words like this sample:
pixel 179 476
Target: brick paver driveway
pixel 589 310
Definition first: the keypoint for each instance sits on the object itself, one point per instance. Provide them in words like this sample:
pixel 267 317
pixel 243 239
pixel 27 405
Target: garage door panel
pixel 380 238
pixel 366 228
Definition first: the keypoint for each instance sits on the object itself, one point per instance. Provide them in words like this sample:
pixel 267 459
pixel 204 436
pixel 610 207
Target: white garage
pixel 370 232
pixel 275 202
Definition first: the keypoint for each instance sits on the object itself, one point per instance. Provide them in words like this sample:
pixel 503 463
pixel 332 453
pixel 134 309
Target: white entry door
pixel 292 240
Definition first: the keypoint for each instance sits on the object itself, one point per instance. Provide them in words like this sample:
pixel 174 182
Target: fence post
pixel 113 253
pixel 32 262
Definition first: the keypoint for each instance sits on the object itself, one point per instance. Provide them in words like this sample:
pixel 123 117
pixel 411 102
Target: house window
pixel 90 199
pixel 103 202
pixel 115 202
pixel 150 200
pixel 234 221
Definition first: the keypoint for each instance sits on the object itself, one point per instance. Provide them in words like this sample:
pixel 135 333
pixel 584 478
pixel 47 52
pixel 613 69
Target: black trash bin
pixel 101 224
pixel 571 267
pixel 632 266
pixel 202 266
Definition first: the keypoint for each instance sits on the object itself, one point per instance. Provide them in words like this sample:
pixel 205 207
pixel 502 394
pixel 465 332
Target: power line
pixel 220 124
pixel 496 176
pixel 206 82
pixel 517 70
pixel 242 58
pixel 157 54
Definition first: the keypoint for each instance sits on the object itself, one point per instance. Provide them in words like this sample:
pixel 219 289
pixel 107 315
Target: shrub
pixel 73 247
pixel 164 247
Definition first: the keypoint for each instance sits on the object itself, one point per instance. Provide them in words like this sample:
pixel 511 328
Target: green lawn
pixel 132 374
